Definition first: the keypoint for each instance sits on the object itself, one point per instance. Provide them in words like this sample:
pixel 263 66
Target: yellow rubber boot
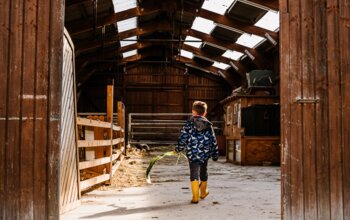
pixel 195 191
pixel 204 191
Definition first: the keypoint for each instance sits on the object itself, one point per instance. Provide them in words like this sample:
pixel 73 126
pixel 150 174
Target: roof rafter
pixel 220 19
pixel 80 27
pixel 216 71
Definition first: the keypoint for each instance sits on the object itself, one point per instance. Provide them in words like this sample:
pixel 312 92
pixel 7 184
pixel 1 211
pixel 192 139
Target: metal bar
pixel 161 40
pixel 307 101
pixel 159 114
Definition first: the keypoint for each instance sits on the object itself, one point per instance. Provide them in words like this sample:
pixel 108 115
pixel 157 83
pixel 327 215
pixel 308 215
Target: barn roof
pixel 222 37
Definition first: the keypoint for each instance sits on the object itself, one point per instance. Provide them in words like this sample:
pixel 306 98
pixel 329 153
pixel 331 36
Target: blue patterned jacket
pixel 198 139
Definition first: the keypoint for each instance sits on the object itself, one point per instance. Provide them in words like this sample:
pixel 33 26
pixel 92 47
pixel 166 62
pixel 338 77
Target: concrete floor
pixel 236 192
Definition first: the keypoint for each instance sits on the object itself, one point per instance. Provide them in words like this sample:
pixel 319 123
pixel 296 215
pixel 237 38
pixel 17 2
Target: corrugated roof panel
pixel 233 55
pixel 193 44
pixel 222 66
pixel 246 11
pixel 217 6
pixel 127 24
pixel 270 21
pixel 122 5
pixel 213 49
pixel 128 41
pixel 249 40
pixel 203 25
pixel 129 53
pixel 186 53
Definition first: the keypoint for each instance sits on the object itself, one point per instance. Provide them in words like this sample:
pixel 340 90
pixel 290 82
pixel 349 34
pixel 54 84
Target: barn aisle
pixel 236 192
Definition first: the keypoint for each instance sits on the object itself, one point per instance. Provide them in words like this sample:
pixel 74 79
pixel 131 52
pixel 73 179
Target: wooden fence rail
pixel 101 147
pixel 158 128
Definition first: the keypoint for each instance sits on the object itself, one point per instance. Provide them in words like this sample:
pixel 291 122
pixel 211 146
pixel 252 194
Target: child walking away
pixel 197 138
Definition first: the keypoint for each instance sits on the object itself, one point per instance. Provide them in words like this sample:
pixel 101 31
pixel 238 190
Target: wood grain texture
pixel 26 191
pixel 315 135
pixel 4 70
pixel 344 38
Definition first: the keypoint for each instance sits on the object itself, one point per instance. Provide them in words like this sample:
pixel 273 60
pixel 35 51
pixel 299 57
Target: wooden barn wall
pixel 316 129
pixel 154 88
pixel 30 73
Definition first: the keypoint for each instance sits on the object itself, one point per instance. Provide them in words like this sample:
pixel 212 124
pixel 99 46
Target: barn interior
pixel 76 73
pixel 164 55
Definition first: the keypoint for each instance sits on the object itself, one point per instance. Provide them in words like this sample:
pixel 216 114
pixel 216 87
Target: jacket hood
pixel 201 123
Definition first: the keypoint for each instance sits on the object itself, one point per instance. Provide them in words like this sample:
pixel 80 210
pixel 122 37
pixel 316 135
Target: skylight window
pixel 129 53
pixel 123 5
pixel 193 44
pixel 203 25
pixel 233 55
pixel 217 6
pixel 270 21
pixel 187 54
pixel 222 66
pixel 128 41
pixel 127 24
pixel 250 41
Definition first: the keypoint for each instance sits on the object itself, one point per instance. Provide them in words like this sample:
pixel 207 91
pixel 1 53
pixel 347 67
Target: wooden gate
pixel 69 181
pixel 159 128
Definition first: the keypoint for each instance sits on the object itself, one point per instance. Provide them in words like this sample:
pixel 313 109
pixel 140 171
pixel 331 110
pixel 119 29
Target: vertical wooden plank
pixel 296 144
pixel 344 35
pixel 321 114
pixel 285 112
pixel 27 115
pixel 308 109
pixel 41 109
pixel 14 109
pixel 110 100
pixel 4 47
pixel 121 122
pixel 55 70
pixel 335 119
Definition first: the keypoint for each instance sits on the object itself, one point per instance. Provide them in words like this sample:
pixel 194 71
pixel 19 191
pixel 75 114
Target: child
pixel 197 138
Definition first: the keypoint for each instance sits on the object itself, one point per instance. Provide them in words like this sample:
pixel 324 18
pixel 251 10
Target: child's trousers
pixel 198 171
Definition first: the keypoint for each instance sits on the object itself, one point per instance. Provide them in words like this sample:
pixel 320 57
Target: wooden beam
pixel 76 2
pixel 93 181
pixel 93 123
pixel 79 27
pixel 84 26
pixel 258 59
pixel 241 69
pixel 93 163
pixel 220 19
pixel 273 4
pixel 110 110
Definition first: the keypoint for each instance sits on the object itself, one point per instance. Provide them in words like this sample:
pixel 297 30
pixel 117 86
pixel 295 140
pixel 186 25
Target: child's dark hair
pixel 200 107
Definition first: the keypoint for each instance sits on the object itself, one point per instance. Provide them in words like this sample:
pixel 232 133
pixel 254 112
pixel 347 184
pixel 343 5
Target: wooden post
pixel 110 96
pixel 121 123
